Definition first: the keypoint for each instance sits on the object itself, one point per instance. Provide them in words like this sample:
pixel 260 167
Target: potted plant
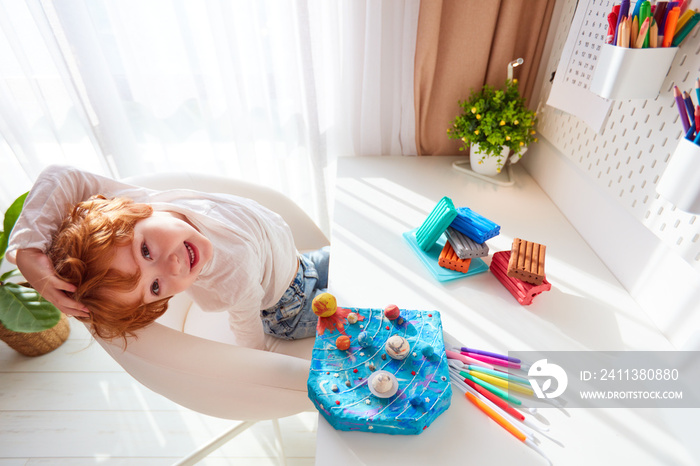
pixel 28 323
pixel 494 123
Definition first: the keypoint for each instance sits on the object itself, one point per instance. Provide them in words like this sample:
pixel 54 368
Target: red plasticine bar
pixel 522 291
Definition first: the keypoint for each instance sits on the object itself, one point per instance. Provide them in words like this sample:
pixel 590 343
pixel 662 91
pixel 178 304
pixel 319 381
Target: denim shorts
pixel 292 317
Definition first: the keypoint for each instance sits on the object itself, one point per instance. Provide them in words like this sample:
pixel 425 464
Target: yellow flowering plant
pixel 494 118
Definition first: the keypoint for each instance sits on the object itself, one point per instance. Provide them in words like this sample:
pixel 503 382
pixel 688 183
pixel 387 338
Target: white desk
pixel 379 198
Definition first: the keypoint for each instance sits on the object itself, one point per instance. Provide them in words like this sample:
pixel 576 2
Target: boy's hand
pixel 38 270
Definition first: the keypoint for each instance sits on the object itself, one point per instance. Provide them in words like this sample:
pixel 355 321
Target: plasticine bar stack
pixel 474 225
pixel 527 261
pixel 464 246
pixel 449 259
pixel 523 291
pixel 437 222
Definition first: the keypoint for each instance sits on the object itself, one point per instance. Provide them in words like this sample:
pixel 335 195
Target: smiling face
pixel 168 252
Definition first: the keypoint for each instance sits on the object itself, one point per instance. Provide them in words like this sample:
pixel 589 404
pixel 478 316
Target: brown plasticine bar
pixel 527 261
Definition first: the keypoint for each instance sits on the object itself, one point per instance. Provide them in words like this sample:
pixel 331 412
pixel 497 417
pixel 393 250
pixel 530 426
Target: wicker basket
pixel 38 343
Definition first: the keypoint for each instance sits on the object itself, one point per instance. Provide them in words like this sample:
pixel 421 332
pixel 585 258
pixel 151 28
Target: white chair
pixel 190 356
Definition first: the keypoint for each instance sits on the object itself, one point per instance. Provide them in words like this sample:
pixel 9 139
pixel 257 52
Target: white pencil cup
pixel 680 182
pixel 622 73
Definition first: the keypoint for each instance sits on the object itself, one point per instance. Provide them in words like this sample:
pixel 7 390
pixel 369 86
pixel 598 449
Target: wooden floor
pixel 76 406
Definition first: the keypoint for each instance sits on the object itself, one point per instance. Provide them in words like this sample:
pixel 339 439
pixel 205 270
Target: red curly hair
pixel 82 252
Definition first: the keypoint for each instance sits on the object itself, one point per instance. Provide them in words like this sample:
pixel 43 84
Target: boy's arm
pixel 56 189
pixel 37 269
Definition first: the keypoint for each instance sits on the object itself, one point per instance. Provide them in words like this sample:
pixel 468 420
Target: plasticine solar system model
pixel 382 371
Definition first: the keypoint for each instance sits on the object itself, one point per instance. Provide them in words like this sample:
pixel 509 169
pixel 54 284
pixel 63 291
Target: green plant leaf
pixel 493 118
pixel 23 310
pixel 10 274
pixel 11 216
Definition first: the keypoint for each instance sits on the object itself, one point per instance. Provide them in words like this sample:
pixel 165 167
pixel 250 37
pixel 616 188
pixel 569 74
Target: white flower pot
pixel 485 164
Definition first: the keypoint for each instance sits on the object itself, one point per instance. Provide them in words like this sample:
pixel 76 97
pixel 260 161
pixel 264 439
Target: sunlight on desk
pixel 379 199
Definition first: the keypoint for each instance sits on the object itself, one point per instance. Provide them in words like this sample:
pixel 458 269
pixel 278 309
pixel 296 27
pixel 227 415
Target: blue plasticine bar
pixel 474 225
pixel 435 225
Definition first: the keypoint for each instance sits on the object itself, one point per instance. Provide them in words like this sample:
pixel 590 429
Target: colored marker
pixel 670 26
pixel 644 18
pixel 612 22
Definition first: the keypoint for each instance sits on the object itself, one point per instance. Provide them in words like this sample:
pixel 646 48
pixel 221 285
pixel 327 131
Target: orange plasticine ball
pixel 342 342
pixel 324 305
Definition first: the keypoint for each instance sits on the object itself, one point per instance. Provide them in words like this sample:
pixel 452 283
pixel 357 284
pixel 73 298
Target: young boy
pixel 113 254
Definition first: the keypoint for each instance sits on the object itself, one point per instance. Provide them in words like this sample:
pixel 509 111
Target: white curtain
pixel 269 91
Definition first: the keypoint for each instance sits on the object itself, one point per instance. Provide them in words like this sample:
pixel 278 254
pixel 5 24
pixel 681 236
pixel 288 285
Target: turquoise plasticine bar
pixel 475 226
pixel 437 222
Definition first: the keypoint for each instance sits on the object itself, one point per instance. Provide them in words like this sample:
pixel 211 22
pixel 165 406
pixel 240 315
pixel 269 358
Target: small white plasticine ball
pixel 397 347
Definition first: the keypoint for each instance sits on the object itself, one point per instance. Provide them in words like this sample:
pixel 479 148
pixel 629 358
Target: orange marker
pixel 670 27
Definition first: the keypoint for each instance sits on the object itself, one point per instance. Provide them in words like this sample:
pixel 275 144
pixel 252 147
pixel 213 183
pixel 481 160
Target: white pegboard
pixel 632 150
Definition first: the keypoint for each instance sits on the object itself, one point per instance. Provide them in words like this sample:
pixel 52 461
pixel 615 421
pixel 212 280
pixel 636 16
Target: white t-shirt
pixel 254 256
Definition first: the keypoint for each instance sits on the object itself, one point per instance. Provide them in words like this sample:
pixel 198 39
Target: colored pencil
pixel 642 38
pixel 689 107
pixel 680 36
pixel 681 108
